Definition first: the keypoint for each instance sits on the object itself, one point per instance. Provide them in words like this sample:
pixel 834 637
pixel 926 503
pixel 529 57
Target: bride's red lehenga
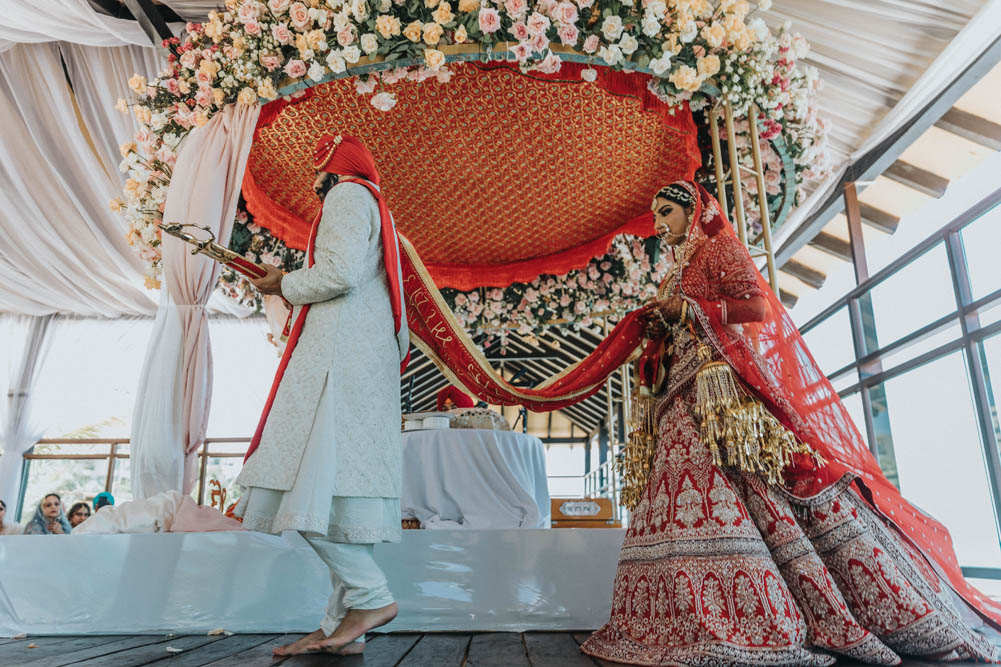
pixel 720 568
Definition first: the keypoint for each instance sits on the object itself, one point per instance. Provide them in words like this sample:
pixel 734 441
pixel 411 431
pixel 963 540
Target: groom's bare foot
pixel 355 624
pixel 354 648
pixel 302 645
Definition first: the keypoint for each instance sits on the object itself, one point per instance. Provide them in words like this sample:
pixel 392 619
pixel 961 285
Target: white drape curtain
pixel 64 250
pixel 65 20
pixel 18 431
pixel 99 76
pixel 175 391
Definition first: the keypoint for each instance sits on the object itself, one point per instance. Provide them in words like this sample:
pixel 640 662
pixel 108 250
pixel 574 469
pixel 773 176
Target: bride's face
pixel 670 220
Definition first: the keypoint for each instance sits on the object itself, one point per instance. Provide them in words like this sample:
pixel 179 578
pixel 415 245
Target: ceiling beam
pixel 878 218
pixel 808 275
pixel 972 127
pixel 877 160
pixel 833 246
pixel 150 20
pixel 916 178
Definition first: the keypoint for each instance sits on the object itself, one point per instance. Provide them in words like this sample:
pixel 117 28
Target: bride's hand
pixel 659 315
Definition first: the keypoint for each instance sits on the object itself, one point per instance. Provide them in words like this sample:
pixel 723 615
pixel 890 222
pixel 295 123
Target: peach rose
pixel 138 84
pixel 266 89
pixel 714 35
pixel 413 31
pixel 433 59
pixel 143 115
pixel 708 66
pixel 316 40
pixel 247 96
pixel 443 14
pixel 432 33
pixel 686 78
pixel 460 35
pixel 469 5
pixel 387 26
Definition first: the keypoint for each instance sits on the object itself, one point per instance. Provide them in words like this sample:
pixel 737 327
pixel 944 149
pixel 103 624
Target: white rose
pixel 316 71
pixel 590 74
pixel 384 101
pixel 657 8
pixel 352 53
pixel 764 5
pixel 612 55
pixel 689 32
pixel 661 66
pixel 341 21
pixel 611 28
pixel 335 61
pixel 369 43
pixel 651 25
pixel 759 28
pixel 385 6
pixel 628 44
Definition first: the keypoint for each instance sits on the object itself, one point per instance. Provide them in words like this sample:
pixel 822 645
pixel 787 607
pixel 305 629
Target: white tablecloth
pixel 474 479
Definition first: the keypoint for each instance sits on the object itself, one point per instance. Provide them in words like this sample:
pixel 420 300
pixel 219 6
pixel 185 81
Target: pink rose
pixel 281 33
pixel 522 52
pixel 189 59
pixel 204 77
pixel 346 36
pixel 538 24
pixel 279 6
pixel 566 13
pixel 252 27
pixel 295 68
pixel 204 96
pixel 165 155
pixel 551 64
pixel 584 4
pixel 489 20
pixel 247 11
pixel 568 34
pixel 519 31
pixel 539 43
pixel 591 44
pixel 515 7
pixel 298 13
pixel 172 87
pixel 547 7
pixel 271 62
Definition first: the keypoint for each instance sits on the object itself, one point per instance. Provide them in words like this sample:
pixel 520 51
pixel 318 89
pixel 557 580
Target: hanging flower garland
pixel 695 50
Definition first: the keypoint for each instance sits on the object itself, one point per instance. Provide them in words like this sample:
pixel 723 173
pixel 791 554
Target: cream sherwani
pixel 328 462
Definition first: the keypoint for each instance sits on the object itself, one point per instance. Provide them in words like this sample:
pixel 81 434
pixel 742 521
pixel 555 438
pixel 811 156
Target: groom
pixel 326 456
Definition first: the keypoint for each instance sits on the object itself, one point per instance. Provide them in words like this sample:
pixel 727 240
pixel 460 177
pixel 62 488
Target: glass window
pixel 991 349
pixel 915 349
pixel 981 240
pixel 853 403
pixel 919 293
pixel 830 342
pixel 565 466
pixel 939 456
pixel 87 384
pixel 244 365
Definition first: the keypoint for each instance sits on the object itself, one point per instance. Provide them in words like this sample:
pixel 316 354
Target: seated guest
pixel 79 513
pixel 451 398
pixel 8 527
pixel 49 518
pixel 103 499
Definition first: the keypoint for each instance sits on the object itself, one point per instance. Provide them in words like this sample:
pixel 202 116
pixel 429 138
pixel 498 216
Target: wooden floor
pixel 500 649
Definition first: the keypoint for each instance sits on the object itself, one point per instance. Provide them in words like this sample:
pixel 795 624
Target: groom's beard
pixel 328 182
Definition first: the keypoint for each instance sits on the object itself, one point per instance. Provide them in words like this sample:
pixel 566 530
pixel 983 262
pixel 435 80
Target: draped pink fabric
pixel 204 190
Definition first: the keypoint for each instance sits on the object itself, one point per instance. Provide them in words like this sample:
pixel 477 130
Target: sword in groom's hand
pixel 213 250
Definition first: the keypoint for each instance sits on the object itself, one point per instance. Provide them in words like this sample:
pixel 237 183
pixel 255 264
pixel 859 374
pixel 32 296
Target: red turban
pixel 345 155
pixel 451 391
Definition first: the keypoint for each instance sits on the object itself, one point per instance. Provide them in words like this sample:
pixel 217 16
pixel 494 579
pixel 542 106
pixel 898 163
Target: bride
pixel 762 530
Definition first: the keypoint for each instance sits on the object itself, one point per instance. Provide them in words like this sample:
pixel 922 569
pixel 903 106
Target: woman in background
pixel 79 513
pixel 49 518
pixel 8 527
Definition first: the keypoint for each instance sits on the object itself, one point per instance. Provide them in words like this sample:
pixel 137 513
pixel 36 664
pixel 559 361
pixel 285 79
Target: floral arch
pixel 613 83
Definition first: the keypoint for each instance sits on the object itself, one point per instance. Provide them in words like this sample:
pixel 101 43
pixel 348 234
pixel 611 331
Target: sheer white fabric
pixel 64 250
pixel 67 20
pixel 99 76
pixel 18 431
pixel 175 392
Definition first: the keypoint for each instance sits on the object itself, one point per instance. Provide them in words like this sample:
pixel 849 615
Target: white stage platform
pixel 461 580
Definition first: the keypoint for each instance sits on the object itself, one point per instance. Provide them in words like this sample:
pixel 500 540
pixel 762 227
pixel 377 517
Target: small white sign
pixel 580 508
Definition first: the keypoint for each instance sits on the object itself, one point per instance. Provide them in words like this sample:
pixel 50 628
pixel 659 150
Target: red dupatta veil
pixel 772 359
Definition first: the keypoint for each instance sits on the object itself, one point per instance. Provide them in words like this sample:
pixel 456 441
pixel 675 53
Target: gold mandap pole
pixel 759 173
pixel 738 198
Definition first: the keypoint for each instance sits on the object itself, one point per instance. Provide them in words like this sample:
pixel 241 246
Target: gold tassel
pixel 737 429
pixel 637 459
